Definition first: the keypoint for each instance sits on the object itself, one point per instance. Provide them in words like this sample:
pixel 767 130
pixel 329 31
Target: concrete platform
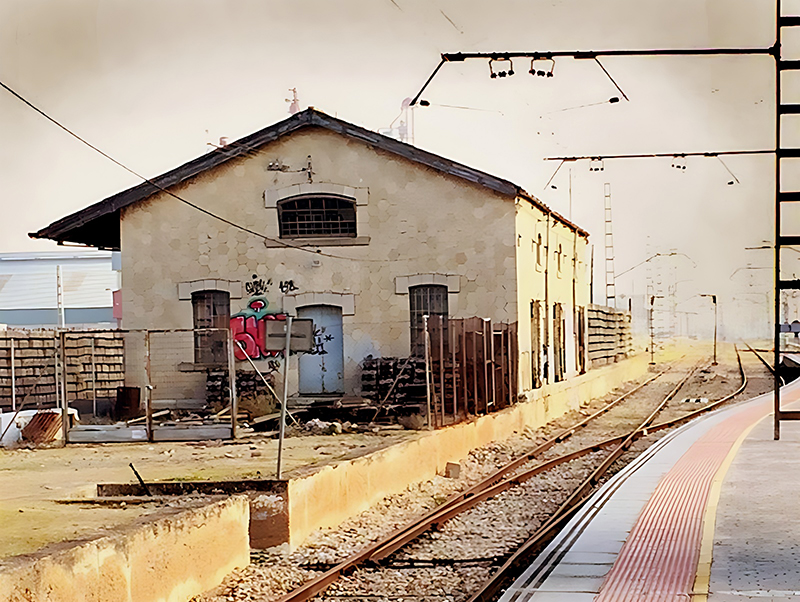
pixel 710 512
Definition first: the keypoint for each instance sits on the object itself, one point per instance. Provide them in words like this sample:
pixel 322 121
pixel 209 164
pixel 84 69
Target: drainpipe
pixel 575 298
pixel 546 371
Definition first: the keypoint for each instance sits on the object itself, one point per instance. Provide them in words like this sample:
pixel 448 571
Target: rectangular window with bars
pixel 211 309
pixel 425 300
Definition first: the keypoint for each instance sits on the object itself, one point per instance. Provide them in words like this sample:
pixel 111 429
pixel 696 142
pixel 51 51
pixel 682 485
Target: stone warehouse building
pixel 360 232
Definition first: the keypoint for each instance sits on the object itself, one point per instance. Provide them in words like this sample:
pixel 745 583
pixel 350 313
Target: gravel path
pixel 467 548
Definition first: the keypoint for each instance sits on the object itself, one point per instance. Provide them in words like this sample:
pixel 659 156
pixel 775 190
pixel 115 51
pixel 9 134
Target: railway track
pixel 519 559
pixel 509 476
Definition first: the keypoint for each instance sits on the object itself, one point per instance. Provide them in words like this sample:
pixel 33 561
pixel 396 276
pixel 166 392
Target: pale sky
pixel 152 82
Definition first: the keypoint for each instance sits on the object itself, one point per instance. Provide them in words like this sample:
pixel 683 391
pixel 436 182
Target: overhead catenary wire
pixel 460 57
pixel 178 197
pixel 656 155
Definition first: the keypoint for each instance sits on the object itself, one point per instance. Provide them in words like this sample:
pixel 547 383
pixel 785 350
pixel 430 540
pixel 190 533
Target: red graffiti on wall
pixel 249 328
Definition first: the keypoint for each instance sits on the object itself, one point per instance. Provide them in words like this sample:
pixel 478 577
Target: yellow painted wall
pixel 166 560
pixel 558 240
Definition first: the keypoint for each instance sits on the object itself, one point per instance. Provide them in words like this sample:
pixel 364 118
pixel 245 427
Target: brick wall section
pixel 609 335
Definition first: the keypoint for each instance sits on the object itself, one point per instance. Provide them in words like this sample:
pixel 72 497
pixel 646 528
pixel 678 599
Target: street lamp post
pixel 652 349
pixel 714 301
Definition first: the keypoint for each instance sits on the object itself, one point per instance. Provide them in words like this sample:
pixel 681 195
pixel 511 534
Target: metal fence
pixel 127 374
pixel 473 366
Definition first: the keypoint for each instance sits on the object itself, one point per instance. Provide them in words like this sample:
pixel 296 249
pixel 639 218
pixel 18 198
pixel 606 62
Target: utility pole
pixel 611 295
pixel 60 297
pixel 652 337
pixel 714 301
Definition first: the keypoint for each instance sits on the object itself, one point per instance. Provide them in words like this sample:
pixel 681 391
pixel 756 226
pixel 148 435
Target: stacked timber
pixel 93 363
pixel 401 379
pixel 609 335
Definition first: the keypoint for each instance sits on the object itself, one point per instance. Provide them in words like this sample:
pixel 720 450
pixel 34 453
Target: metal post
pixel 475 380
pixel 452 341
pixel 650 315
pixel 441 366
pixel 486 365
pixel 13 379
pixel 234 401
pixel 714 298
pixel 427 370
pixel 55 370
pixel 60 297
pixel 63 380
pixel 776 332
pixel 94 380
pixel 546 347
pixel 492 355
pixel 282 427
pixel 148 387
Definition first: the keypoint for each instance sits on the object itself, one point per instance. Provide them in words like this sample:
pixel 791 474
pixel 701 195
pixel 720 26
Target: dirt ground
pixel 34 480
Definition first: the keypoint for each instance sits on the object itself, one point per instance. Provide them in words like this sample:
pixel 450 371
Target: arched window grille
pixel 317 216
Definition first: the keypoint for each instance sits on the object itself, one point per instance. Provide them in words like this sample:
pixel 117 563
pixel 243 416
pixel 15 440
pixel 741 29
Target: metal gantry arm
pixel 782 240
pixel 594 55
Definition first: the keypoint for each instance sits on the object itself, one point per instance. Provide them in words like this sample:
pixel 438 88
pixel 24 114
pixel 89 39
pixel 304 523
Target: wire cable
pixel 179 198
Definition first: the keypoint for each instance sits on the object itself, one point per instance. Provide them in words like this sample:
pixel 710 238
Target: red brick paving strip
pixel 659 559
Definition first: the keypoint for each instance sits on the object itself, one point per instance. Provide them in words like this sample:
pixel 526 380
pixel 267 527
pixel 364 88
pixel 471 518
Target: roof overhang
pixel 99 225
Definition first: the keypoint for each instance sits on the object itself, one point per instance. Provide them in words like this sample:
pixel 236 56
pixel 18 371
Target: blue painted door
pixel 322 370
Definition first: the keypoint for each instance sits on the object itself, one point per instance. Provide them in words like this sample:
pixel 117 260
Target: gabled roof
pixel 98 224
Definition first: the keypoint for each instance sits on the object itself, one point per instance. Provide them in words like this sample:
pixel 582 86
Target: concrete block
pixel 361 196
pixel 452 470
pixel 271 197
pixel 453 283
pixel 184 291
pixel 236 289
pixel 348 305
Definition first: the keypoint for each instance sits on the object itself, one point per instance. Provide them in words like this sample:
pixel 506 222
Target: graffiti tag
pixel 287 286
pixel 320 338
pixel 249 327
pixel 257 286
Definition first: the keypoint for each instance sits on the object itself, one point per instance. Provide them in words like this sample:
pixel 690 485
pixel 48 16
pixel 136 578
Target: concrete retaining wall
pixel 169 559
pixel 335 493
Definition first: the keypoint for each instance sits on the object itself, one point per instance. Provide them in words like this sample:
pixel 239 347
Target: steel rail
pixel 772 369
pixel 565 511
pixel 407 533
pixel 495 484
pixel 769 366
pixel 433 518
pixel 490 588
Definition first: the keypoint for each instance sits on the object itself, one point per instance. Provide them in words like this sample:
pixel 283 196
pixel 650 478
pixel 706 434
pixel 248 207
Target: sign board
pixel 302 335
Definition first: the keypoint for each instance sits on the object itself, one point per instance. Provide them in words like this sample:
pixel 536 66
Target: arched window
pixel 317 216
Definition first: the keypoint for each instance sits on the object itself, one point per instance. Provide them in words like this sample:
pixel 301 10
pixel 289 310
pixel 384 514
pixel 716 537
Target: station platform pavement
pixel 710 512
